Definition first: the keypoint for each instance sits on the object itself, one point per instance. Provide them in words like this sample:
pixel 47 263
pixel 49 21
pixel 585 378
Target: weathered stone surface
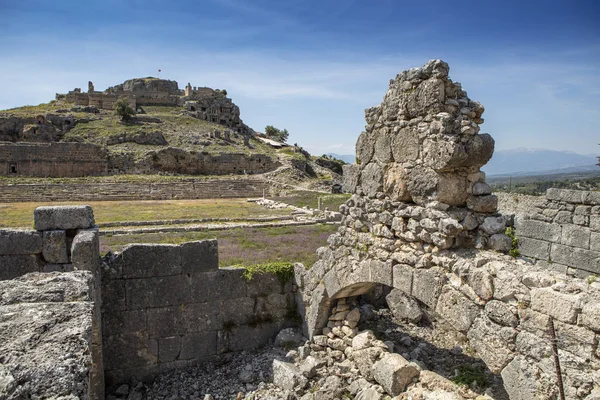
pixel 564 307
pixel 483 204
pixel 15 241
pixel 169 348
pixel 351 173
pixel 427 286
pixel 539 249
pixel 395 183
pixel 371 179
pixel 405 145
pixel 520 380
pixel 590 316
pixel 200 256
pixel 490 342
pixel 501 313
pixel 12 266
pixel 456 309
pixel 576 236
pixel 481 189
pixel 500 242
pixel 538 230
pixel 63 217
pixel 587 260
pixel 55 247
pixel 364 360
pixel 364 148
pixel 394 373
pixel 57 362
pixel 289 338
pixel 141 260
pixel 85 250
pixel 403 306
pixel 287 375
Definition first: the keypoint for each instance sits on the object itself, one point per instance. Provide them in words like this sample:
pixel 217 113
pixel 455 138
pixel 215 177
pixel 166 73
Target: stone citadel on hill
pixel 208 104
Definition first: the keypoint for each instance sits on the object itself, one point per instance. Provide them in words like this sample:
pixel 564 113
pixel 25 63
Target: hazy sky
pixel 314 66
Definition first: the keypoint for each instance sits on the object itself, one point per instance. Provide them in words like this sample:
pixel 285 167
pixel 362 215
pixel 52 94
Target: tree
pixel 123 109
pixel 276 134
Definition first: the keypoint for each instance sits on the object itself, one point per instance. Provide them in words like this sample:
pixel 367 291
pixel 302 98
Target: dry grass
pixel 20 215
pixel 243 245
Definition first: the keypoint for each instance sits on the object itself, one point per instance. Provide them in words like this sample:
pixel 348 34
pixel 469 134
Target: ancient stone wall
pixel 563 233
pixel 170 306
pixel 422 221
pixel 210 189
pixel 65 306
pixel 52 159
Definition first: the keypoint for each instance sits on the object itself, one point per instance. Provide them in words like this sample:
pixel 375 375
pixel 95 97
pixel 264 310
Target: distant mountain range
pixel 349 158
pixel 526 162
pixel 522 161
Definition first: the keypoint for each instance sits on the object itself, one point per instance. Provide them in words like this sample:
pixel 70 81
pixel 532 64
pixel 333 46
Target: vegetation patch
pixel 282 270
pixel 468 374
pixel 514 251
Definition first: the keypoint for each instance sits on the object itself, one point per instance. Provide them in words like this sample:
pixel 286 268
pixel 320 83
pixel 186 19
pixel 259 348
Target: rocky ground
pixel 351 361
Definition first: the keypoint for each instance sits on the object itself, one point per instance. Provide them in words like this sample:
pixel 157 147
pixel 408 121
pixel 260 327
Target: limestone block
pixel 481 189
pixel 241 310
pixel 427 97
pixel 287 376
pixel 561 306
pixel 501 313
pixel 363 340
pixel 364 360
pixel 117 322
pixel 405 145
pixel 15 241
pixel 12 266
pixel 520 380
pixel 350 177
pixel 63 217
pixel 402 277
pixel 535 248
pixel 177 320
pixel 395 181
pixel 169 348
pixel 500 242
pixel 199 345
pixel 149 260
pixel 129 350
pixel 492 225
pixel 364 148
pixel 582 259
pixel 576 339
pixel 482 282
pixel 595 241
pixel 576 236
pixel 595 223
pixel 427 285
pixel 383 148
pixel 368 394
pixel 200 256
pixel 403 306
pixel 54 247
pixel 456 309
pixel 85 250
pixel 394 373
pixel 371 179
pixel 508 287
pixel 422 184
pixel 245 337
pixel 483 204
pixel 491 341
pixel 156 292
pixel 566 195
pixel 451 189
pixel 590 316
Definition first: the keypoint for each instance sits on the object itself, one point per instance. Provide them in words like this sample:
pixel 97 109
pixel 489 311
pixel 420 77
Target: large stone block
pixel 16 241
pixel 566 195
pixel 590 316
pixel 54 247
pixel 63 217
pixel 395 180
pixel 529 228
pixel 116 322
pixel 576 236
pixel 371 179
pixel 85 250
pixel 169 348
pixel 456 309
pixel 561 306
pixel 218 285
pixel 582 259
pixel 201 256
pixel 198 346
pixel 535 248
pixel 286 375
pixel 491 341
pixel 13 266
pixel 402 275
pixel 483 204
pixel 427 286
pixel 394 373
pixel 520 380
pixel 405 145
pixel 364 148
pixel 403 306
pixel 150 260
pixel 182 319
pixel 161 291
pixel 245 337
pixel 129 350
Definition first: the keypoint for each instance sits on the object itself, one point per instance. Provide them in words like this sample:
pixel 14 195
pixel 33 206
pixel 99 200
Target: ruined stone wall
pixel 170 306
pixel 210 189
pixel 65 306
pixel 563 233
pixel 422 221
pixel 52 159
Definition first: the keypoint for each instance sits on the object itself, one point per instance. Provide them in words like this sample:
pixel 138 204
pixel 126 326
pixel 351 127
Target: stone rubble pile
pixel 345 362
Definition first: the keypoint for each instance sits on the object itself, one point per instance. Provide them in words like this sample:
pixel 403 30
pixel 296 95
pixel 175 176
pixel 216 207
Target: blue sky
pixel 314 66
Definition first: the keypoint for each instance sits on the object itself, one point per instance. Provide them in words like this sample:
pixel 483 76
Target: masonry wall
pixel 169 306
pixel 563 233
pixel 210 189
pixel 52 159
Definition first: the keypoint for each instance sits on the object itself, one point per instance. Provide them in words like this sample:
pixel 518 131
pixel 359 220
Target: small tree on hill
pixel 276 134
pixel 123 109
